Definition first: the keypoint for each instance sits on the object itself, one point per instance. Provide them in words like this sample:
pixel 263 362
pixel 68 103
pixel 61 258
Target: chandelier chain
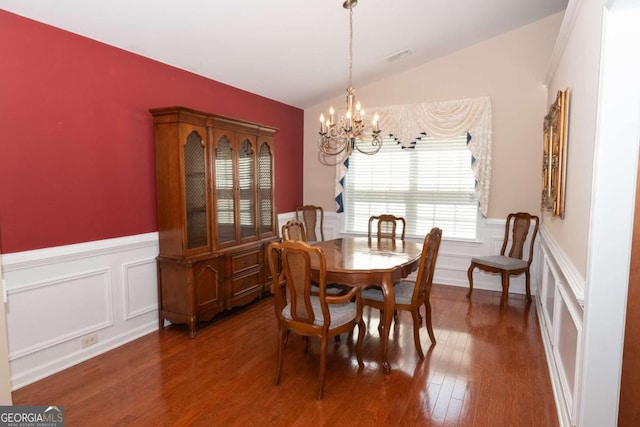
pixel 350 48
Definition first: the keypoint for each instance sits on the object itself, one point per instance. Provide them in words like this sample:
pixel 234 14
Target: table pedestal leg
pixel 389 308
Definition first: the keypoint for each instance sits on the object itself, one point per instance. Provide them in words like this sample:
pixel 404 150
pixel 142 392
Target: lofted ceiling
pixel 295 52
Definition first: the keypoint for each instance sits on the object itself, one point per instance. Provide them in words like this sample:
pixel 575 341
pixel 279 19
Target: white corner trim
pixel 568 20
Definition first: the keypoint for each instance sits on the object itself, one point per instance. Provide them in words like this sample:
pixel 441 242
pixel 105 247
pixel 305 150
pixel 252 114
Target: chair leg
pixel 395 320
pixel 470 276
pixel 281 341
pixel 528 283
pixel 361 331
pixel 323 366
pixel 505 289
pixel 427 310
pixel 416 331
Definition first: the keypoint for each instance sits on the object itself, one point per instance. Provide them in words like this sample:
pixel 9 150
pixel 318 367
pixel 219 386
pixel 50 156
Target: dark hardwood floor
pixel 488 368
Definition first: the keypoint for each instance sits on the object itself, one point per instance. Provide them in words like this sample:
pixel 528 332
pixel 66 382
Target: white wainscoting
pixel 560 304
pixel 59 297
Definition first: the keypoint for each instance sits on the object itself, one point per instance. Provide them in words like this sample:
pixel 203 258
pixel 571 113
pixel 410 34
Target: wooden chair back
pixel 387 225
pixel 278 286
pixel 296 268
pixel 294 230
pixel 427 265
pixel 519 225
pixel 313 217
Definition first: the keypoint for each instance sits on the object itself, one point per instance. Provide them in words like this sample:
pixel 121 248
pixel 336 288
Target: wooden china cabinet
pixel 216 212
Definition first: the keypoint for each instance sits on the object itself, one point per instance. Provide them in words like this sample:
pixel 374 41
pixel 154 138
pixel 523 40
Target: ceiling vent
pixel 398 55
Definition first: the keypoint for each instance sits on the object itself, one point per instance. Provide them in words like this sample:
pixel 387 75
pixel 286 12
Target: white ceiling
pixel 292 51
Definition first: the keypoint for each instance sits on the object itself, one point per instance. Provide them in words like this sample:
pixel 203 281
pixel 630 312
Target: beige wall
pixel 510 69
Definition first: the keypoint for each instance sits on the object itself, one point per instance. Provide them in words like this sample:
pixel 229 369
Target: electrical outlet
pixel 89 340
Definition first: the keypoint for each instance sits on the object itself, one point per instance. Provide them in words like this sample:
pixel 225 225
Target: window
pixel 430 185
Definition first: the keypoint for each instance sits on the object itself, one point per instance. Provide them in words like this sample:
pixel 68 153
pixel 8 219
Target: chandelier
pixel 349 131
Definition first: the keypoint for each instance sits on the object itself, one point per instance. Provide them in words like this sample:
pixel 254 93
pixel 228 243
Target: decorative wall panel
pixel 140 288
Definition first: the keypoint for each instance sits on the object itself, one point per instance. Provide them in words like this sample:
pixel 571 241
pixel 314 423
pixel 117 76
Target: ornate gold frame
pixel 554 159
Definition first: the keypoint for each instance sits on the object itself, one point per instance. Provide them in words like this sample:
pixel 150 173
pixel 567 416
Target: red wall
pixel 76 136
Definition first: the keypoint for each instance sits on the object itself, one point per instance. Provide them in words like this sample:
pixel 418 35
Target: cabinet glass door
pixel 224 190
pixel 246 189
pixel 265 189
pixel 195 186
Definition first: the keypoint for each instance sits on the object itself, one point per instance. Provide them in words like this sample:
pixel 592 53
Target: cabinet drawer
pixel 245 283
pixel 242 262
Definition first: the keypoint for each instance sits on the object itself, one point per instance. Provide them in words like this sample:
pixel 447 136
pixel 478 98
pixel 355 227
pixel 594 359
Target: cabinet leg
pixel 192 327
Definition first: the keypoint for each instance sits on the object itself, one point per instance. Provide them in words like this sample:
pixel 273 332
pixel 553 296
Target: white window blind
pixel 431 185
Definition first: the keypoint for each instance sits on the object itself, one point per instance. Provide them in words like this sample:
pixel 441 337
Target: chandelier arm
pixel 324 144
pixel 375 142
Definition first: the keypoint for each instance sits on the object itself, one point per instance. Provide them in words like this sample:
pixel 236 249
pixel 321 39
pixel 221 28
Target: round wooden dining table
pixel 363 262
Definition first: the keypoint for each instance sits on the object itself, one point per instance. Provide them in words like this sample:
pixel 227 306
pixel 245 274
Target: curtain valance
pixel 445 119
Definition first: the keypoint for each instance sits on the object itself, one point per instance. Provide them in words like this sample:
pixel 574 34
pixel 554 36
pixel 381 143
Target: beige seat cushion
pixel 502 262
pixel 340 313
pixel 403 291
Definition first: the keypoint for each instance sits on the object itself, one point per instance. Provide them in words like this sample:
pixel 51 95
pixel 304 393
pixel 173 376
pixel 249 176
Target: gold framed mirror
pixel 554 157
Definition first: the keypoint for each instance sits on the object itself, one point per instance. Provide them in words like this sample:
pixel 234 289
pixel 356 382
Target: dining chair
pixel 510 262
pixel 386 226
pixel 294 230
pixel 313 218
pixel 323 316
pixel 409 296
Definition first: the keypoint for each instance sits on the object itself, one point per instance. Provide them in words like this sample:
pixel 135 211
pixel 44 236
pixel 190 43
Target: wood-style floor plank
pixel 488 368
